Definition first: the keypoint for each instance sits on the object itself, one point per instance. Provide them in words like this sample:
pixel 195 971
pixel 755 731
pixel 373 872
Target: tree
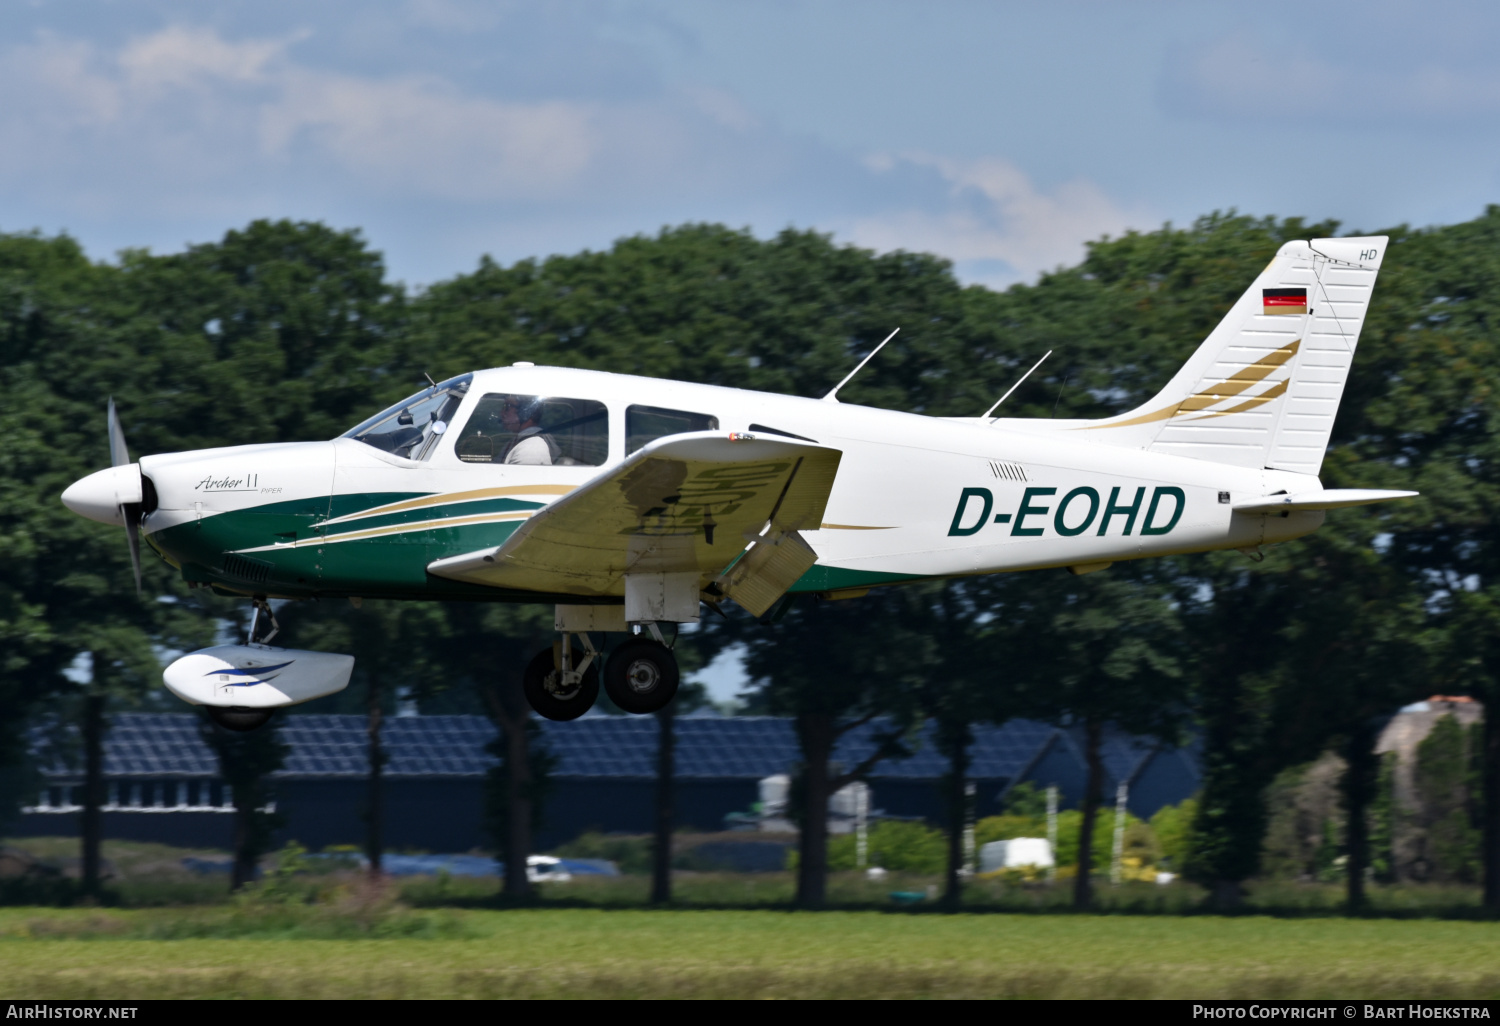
pixel 1354 653
pixel 246 761
pixel 710 304
pixel 1111 661
pixel 189 369
pixel 1443 783
pixel 484 652
pixel 661 841
pixel 957 688
pixel 1422 414
pixel 819 667
pixel 396 644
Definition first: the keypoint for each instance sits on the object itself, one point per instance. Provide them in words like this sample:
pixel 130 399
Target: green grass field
pixel 610 953
pixel 172 933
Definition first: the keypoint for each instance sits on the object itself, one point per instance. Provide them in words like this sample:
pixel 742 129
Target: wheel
pixel 641 676
pixel 240 720
pixel 542 683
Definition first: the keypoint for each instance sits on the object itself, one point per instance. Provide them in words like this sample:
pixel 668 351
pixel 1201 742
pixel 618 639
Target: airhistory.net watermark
pixel 40 1010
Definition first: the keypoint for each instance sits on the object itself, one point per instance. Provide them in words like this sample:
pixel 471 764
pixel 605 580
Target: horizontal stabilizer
pixel 1332 498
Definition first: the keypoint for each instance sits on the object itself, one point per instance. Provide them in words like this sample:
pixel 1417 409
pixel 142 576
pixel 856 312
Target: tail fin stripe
pixel 1276 391
pixel 1230 387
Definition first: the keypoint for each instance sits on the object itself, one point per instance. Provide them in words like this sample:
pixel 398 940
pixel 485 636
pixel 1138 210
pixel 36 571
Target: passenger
pixel 529 447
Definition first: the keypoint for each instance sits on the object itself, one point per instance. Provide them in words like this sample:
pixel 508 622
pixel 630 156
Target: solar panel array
pixel 136 745
pixel 740 747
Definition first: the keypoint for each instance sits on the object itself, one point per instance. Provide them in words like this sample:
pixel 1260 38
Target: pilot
pixel 529 447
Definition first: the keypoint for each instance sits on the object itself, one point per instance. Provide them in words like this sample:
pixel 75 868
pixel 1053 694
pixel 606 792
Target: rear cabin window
pixel 535 430
pixel 648 423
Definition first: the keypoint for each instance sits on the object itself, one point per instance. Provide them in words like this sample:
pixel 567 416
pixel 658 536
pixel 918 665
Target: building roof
pixel 740 747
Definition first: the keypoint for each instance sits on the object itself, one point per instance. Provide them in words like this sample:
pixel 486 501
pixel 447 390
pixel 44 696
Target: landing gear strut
pixel 236 718
pixel 562 682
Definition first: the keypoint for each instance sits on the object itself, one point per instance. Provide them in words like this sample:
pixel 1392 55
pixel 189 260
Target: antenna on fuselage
pixel 1017 385
pixel 833 392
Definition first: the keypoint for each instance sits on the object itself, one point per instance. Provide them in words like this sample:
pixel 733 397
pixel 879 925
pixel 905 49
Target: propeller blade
pixel 119 455
pixel 133 539
pixel 130 512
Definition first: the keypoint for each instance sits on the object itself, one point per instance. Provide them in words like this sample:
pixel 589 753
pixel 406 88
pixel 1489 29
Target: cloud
pixel 416 133
pixel 185 129
pixel 1245 77
pixel 182 56
pixel 998 227
pixel 184 105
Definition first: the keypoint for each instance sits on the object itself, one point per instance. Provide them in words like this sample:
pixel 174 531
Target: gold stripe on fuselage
pixel 444 498
pixel 409 528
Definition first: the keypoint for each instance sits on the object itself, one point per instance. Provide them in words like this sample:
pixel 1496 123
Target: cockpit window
pixel 413 426
pixel 536 430
pixel 648 423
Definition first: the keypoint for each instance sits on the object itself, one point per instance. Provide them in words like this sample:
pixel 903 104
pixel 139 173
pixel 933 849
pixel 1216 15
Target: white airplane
pixel 628 502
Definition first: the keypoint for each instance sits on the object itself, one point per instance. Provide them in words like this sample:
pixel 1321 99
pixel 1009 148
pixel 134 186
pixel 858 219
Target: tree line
pixel 287 331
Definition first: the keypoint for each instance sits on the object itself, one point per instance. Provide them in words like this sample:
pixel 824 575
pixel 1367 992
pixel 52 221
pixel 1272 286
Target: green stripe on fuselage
pixel 308 560
pixel 357 502
pixel 834 578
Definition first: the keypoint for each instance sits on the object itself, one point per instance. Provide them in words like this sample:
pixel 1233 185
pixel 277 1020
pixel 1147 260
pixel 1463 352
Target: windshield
pixel 413 426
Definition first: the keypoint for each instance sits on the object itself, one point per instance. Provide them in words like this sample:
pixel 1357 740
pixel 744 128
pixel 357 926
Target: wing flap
pixel 772 565
pixel 683 503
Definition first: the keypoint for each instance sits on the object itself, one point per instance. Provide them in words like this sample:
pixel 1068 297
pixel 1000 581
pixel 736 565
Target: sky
pixel 1002 136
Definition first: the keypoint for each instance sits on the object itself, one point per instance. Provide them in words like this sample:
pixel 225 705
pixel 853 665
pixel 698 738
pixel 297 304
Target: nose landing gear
pixel 240 721
pixel 237 718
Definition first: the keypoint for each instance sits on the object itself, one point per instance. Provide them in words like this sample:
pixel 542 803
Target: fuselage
pixel 915 497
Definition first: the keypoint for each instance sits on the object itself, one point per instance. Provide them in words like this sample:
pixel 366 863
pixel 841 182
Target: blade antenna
pixel 1017 385
pixel 833 392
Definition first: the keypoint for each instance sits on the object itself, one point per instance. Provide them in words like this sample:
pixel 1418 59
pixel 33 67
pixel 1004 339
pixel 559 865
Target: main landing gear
pixel 562 682
pixel 641 675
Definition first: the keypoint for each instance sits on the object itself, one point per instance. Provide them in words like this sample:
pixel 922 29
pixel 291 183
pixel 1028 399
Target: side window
pixel 535 430
pixel 648 423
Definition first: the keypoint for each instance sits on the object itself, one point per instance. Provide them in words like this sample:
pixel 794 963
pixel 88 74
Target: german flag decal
pixel 1284 301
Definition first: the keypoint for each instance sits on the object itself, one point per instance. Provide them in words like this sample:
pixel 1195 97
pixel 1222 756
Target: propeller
pixel 130 512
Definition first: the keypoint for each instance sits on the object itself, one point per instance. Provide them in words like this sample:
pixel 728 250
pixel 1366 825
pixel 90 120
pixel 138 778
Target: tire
pixel 552 704
pixel 641 676
pixel 240 720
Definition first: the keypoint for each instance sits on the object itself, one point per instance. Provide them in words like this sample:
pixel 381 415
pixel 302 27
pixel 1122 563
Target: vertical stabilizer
pixel 1264 387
